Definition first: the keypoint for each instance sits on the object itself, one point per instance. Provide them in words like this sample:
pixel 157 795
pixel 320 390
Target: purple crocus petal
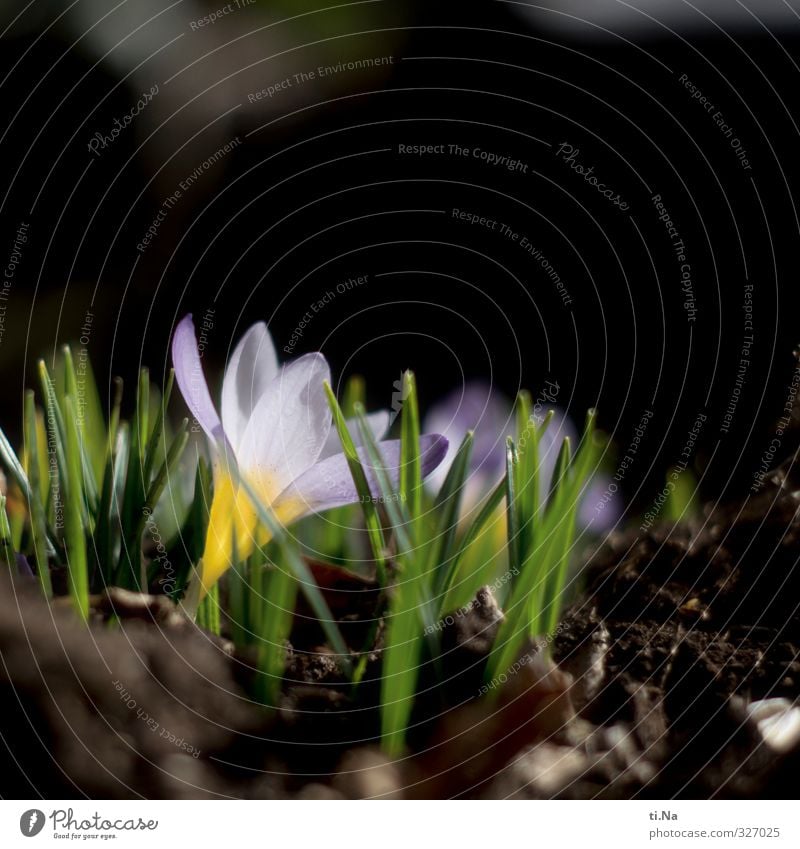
pixel 23 567
pixel 329 483
pixel 600 509
pixel 290 424
pixel 251 368
pixel 378 423
pixel 478 407
pixel 191 381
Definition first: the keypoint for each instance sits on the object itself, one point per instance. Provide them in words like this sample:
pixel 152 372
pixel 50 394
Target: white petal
pixel 289 425
pixel 378 423
pixel 251 368
pixel 329 483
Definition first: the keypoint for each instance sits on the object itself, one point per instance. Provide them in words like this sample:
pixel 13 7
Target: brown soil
pixel 676 630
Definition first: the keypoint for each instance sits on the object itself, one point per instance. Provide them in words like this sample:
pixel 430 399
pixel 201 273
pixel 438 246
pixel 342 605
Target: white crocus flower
pixel 276 428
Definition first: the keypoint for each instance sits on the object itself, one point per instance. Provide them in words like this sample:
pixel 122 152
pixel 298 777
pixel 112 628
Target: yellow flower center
pixel 233 516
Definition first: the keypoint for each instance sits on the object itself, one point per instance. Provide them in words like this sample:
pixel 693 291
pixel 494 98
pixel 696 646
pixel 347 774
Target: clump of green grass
pixel 88 485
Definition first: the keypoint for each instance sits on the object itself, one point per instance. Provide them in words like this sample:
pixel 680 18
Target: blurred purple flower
pixel 481 408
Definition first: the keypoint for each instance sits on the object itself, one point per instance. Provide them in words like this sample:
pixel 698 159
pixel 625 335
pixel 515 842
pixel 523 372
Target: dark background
pixel 320 194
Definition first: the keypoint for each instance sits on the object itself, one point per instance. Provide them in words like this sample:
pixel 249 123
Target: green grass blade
pixel 401 657
pixel 130 566
pixel 208 612
pixel 280 596
pixel 152 497
pixel 133 492
pixel 7 558
pixel 38 522
pixel 237 599
pixel 334 535
pixel 559 478
pixel 77 564
pixel 89 480
pixel 410 490
pixel 447 508
pixel 395 507
pixel 681 500
pixel 354 393
pixel 113 421
pixel 158 427
pixel 103 531
pixel 512 507
pixel 54 421
pixel 44 459
pixel 371 516
pixel 90 411
pixel 168 467
pixel 526 478
pixel 256 577
pixel 143 415
pixel 475 530
pixel 106 533
pixel 201 506
pixel 13 465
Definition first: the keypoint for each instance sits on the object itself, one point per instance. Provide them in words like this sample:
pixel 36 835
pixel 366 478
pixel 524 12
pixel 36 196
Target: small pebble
pixel 778 722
